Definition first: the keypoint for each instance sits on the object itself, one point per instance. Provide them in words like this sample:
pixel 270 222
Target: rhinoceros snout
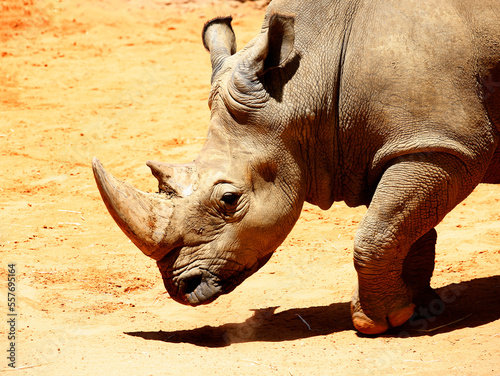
pixel 199 290
pixel 192 288
pixel 197 283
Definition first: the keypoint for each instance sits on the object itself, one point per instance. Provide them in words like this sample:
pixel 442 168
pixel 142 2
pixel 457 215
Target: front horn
pixel 146 218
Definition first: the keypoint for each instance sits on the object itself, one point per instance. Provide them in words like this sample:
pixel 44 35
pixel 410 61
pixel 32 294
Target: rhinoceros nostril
pixel 192 283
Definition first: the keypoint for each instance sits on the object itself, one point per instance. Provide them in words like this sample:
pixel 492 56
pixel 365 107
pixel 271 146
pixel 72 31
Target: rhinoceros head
pixel 216 220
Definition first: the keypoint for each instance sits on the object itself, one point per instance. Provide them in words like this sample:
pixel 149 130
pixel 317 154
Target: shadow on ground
pixel 467 304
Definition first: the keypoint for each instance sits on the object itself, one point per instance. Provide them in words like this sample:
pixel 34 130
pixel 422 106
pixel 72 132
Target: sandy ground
pixel 127 81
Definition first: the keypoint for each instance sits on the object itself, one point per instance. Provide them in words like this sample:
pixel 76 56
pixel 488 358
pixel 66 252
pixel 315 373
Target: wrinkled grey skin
pixel 390 104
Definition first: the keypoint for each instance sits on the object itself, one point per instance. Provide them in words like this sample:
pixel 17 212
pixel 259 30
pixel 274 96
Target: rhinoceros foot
pixel 370 321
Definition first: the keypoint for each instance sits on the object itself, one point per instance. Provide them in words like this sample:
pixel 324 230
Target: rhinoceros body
pixel 391 104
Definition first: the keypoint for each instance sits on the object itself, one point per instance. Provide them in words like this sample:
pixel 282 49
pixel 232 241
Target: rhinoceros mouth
pixel 200 286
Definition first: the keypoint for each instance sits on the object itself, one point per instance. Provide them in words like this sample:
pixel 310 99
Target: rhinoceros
pixel 391 104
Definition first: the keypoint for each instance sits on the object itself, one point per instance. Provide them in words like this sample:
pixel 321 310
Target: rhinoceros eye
pixel 230 198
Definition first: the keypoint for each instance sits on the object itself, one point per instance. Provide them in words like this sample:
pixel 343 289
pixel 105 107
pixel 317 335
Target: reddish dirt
pixel 127 81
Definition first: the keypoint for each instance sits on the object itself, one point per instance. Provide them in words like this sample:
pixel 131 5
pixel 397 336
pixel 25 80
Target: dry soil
pixel 128 81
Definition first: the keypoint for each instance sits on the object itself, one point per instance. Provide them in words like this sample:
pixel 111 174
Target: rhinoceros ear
pixel 280 41
pixel 218 38
pixel 272 49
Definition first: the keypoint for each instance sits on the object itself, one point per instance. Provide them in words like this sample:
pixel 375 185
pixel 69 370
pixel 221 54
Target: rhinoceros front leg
pixel 394 245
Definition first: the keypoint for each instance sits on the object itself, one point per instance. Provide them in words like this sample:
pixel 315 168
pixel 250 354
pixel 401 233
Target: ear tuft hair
pixel 218 20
